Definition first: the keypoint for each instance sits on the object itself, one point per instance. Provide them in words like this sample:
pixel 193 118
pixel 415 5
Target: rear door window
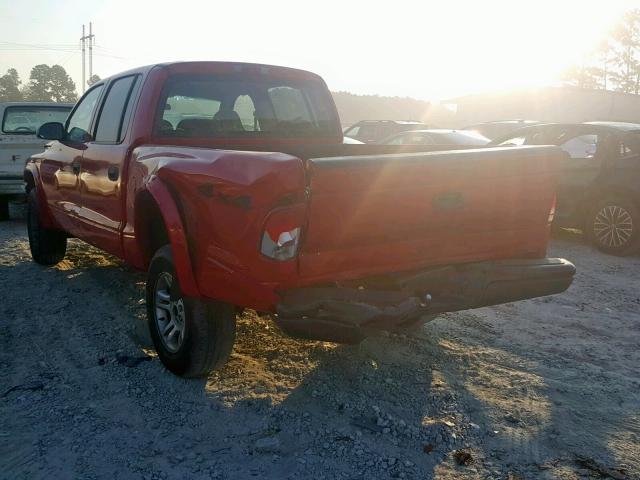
pixel 630 145
pixel 111 122
pixel 579 146
pixel 25 120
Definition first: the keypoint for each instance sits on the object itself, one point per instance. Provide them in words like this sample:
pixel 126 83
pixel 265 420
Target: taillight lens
pixel 282 231
pixel 552 211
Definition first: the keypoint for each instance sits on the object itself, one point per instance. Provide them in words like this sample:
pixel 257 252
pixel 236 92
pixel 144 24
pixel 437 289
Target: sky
pixel 421 49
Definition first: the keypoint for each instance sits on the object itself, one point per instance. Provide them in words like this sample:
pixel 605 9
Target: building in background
pixel 548 104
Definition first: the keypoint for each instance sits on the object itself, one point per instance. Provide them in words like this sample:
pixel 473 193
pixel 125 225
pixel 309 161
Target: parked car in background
pixel 599 187
pixel 372 131
pixel 257 203
pixel 18 141
pixel 437 137
pixel 499 128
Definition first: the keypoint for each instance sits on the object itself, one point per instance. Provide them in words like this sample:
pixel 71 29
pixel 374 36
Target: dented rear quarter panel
pixel 224 198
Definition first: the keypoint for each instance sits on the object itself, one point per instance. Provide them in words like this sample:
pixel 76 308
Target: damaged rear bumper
pixel 348 313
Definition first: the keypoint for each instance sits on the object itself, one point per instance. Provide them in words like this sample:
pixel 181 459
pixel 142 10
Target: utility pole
pixel 83 41
pixel 90 52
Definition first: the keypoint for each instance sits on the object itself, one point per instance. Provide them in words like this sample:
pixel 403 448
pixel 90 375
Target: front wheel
pixel 614 226
pixel 48 247
pixel 192 336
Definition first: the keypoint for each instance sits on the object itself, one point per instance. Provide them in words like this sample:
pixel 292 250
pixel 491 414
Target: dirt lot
pixel 548 388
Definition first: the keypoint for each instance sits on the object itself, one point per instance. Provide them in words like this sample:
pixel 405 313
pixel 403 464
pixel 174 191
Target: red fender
pixel 177 237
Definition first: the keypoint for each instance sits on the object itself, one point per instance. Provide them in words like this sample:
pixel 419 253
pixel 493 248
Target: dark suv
pixel 599 186
pixel 372 131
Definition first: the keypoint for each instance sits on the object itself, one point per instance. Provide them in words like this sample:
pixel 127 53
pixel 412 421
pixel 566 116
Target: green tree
pixel 10 86
pixel 627 53
pixel 51 84
pixel 94 79
pixel 615 62
pixel 603 57
pixel 590 77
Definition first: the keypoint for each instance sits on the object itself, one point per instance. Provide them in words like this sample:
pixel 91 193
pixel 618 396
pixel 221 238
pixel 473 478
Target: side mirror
pixel 51 131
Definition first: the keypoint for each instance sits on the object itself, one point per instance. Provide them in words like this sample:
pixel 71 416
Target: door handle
pixel 75 167
pixel 113 172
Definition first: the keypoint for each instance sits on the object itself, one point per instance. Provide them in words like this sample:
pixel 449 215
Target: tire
pixel 48 247
pixel 613 226
pixel 4 208
pixel 198 335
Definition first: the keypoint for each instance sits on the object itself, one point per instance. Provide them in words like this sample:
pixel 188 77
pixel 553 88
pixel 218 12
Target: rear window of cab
pixel 240 106
pixel 25 120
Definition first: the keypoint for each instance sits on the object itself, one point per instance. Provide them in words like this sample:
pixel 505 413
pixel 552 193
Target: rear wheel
pixel 614 226
pixel 48 247
pixel 192 337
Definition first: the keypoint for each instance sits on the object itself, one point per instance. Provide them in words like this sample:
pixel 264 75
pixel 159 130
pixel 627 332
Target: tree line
pixel 46 84
pixel 353 108
pixel 615 63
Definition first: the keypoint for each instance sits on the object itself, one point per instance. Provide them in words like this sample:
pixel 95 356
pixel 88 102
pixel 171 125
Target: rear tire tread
pixel 48 247
pixel 211 327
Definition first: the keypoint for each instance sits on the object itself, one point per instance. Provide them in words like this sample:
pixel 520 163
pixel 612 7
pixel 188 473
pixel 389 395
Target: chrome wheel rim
pixel 613 226
pixel 169 313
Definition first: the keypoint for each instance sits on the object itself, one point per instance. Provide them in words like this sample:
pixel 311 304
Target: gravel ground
pixel 540 389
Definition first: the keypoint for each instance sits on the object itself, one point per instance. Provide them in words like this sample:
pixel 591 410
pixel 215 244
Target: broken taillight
pixel 282 231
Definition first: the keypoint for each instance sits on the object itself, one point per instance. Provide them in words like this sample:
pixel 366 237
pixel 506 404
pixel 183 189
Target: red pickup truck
pixel 230 184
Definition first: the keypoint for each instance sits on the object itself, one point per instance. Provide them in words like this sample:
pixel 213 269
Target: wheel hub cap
pixel 170 314
pixel 613 226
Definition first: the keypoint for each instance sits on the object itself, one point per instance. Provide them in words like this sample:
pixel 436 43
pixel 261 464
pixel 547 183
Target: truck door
pixel 60 165
pixel 102 186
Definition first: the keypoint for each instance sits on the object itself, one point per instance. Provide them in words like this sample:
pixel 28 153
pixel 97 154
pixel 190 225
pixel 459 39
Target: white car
pixel 18 141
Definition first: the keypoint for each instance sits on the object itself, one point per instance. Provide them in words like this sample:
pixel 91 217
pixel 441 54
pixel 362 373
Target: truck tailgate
pixel 381 213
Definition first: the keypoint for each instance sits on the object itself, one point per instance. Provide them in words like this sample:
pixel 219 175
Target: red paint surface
pixel 360 218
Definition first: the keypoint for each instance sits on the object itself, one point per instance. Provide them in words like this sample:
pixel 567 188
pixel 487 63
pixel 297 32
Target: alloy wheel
pixel 613 226
pixel 169 313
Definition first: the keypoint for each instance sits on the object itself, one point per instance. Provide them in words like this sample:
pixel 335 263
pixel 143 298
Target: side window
pixel 630 145
pixel 111 126
pixel 581 146
pixel 368 132
pixel 352 132
pixel 246 110
pixel 399 140
pixel 514 142
pixel 79 122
